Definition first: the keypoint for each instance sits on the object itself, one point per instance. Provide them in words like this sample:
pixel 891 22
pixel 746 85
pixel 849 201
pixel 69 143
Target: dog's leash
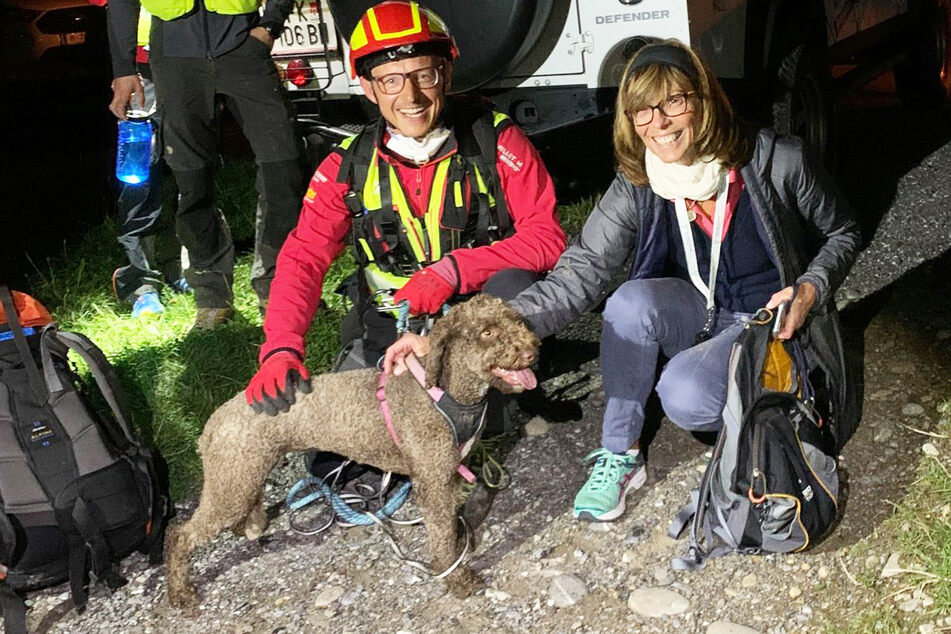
pixel 435 393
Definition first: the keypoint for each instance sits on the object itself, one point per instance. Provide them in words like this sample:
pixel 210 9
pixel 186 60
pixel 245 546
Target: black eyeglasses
pixel 392 83
pixel 673 106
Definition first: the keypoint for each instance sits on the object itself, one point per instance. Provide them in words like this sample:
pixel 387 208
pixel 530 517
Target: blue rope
pixel 341 508
pixel 402 316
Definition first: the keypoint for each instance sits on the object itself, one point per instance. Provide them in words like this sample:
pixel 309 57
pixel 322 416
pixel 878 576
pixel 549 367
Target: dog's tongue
pixel 524 377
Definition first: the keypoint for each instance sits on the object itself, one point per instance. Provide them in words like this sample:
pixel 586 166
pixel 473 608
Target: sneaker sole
pixel 637 481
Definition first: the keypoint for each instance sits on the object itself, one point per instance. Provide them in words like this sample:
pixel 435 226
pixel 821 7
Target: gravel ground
pixel 546 572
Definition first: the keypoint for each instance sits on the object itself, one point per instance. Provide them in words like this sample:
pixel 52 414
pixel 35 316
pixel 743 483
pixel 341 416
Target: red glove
pixel 272 388
pixel 426 292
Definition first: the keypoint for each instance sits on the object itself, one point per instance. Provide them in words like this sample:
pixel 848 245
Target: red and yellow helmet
pixel 397 29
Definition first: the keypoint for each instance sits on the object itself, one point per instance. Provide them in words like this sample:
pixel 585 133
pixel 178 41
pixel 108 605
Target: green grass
pixel 920 530
pixel 573 215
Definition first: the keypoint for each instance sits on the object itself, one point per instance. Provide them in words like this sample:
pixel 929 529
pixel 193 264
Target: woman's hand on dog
pixel 394 360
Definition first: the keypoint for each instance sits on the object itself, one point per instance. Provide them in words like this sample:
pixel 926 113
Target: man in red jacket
pixel 443 198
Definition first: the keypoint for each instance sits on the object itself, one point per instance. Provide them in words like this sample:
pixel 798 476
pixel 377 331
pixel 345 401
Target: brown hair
pixel 717 131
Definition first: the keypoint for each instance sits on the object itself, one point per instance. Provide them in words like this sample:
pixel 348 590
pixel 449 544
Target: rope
pixel 347 516
pixel 339 504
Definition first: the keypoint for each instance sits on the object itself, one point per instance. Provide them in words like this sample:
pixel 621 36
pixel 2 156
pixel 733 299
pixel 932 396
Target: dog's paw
pixel 183 599
pixel 463 583
pixel 255 523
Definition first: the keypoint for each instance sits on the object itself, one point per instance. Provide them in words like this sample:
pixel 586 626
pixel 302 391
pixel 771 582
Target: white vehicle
pixel 550 63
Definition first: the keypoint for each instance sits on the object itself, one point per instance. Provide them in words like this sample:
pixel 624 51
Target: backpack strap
pixel 36 381
pixel 78 571
pixel 101 370
pixel 486 134
pixel 477 137
pixel 14 610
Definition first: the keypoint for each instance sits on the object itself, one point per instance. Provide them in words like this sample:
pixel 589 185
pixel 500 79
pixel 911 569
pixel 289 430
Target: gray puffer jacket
pixel 808 226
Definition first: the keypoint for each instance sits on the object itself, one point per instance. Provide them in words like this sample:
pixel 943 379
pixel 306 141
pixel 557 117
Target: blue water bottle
pixel 134 150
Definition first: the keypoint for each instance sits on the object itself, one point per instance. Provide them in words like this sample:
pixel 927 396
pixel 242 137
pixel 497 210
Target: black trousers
pixel 188 90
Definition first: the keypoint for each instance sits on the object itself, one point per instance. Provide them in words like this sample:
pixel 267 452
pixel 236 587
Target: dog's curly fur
pixel 341 414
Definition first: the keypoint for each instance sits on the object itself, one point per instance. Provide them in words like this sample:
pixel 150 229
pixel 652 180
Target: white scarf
pixel 697 181
pixel 419 150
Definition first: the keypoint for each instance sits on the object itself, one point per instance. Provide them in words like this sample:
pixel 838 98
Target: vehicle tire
pixel 802 103
pixel 925 77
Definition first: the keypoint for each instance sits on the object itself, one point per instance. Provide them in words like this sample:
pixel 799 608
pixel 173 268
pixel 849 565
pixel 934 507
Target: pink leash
pixel 435 394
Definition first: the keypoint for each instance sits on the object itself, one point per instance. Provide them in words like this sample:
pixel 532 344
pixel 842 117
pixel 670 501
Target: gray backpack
pixel 77 490
pixel 770 485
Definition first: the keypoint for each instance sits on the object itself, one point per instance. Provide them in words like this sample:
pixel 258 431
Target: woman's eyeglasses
pixel 673 106
pixel 392 83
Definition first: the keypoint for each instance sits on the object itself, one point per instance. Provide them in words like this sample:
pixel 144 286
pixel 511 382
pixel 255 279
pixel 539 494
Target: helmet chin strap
pixel 418 150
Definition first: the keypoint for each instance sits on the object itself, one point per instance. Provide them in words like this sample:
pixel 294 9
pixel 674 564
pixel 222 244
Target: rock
pixel 883 434
pixel 629 556
pixel 927 628
pixel 662 576
pixel 328 596
pixel 912 409
pixel 910 605
pixel 497 595
pixel 943 334
pixel 904 367
pixel 880 395
pixel 749 581
pixel 656 602
pixel 929 449
pixel 822 572
pixel 537 426
pixel 725 627
pixel 892 566
pixel 872 561
pixel 566 590
pixel 350 598
pixel 794 592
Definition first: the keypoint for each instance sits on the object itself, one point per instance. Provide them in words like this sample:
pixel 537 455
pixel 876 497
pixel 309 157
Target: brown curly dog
pixel 479 344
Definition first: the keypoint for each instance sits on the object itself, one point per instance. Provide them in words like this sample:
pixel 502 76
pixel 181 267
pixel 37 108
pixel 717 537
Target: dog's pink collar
pixel 435 393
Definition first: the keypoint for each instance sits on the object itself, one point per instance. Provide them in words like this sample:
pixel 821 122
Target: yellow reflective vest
pixel 171 9
pixel 391 245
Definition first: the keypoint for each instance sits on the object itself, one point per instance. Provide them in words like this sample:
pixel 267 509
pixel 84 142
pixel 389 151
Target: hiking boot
pixel 208 318
pixel 147 304
pixel 601 499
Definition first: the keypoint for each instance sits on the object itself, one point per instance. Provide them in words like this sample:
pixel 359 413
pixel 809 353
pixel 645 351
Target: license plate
pixel 73 39
pixel 301 34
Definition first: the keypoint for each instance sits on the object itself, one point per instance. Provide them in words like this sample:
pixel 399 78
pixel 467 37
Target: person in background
pixel 442 196
pixel 203 51
pixel 720 221
pixel 139 206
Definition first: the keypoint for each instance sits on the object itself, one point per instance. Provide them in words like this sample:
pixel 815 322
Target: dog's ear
pixel 443 332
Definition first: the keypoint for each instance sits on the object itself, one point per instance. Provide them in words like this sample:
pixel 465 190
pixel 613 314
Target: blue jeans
pixel 642 319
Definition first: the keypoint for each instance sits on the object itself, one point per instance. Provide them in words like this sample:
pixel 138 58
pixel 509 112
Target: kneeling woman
pixel 720 222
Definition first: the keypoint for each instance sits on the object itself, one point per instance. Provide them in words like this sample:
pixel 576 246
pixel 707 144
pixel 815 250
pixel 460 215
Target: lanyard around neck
pixel 690 251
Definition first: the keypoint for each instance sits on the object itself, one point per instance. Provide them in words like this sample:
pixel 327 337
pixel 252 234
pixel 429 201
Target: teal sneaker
pixel 601 499
pixel 147 304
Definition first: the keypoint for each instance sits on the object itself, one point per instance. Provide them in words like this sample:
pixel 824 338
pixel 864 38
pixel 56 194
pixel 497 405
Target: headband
pixel 668 55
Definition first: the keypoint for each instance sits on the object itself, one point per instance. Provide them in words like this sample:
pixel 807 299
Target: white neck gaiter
pixel 697 181
pixel 418 151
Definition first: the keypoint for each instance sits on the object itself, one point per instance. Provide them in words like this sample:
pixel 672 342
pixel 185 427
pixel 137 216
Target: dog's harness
pixel 465 421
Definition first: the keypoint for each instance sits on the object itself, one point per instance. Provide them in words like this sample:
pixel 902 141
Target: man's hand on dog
pixel 394 361
pixel 272 389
